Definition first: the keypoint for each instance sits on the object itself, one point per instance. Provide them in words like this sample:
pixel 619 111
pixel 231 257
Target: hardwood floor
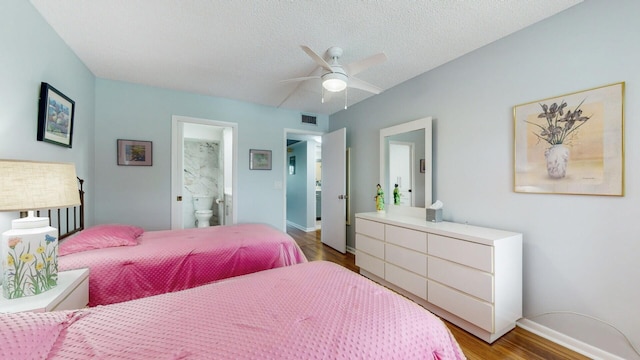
pixel 517 344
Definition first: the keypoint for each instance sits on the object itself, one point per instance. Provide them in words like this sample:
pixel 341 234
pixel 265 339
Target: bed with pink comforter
pixel 157 262
pixel 315 310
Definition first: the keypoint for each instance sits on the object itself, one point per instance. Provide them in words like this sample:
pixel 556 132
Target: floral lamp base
pixel 29 261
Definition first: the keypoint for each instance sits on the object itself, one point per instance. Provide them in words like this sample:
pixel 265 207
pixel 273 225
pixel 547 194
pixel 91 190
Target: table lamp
pixel 30 249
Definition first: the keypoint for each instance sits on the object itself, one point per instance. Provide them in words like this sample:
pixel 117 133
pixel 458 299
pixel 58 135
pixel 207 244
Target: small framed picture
pixel 134 153
pixel 292 165
pixel 259 159
pixel 55 116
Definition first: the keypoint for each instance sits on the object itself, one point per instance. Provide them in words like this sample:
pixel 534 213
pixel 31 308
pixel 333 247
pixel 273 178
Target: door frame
pixel 285 172
pixel 177 138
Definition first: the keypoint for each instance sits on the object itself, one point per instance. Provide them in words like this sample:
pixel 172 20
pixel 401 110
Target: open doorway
pixel 203 172
pixel 303 180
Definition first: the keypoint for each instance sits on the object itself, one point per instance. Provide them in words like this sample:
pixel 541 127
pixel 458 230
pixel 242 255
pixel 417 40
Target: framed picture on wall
pixel 259 159
pixel 55 116
pixel 292 165
pixel 571 144
pixel 134 153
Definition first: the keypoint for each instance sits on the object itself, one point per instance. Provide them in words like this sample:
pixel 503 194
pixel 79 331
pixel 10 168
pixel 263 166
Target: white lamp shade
pixel 29 251
pixel 30 185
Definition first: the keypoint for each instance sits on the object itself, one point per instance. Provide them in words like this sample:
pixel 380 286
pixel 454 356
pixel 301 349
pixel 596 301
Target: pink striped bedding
pixel 172 260
pixel 315 310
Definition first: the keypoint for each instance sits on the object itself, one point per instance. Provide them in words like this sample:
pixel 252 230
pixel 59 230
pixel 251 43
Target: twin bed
pixel 314 310
pixel 126 263
pixel 156 262
pixel 228 292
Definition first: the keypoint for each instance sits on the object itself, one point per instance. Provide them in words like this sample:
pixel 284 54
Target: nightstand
pixel 72 292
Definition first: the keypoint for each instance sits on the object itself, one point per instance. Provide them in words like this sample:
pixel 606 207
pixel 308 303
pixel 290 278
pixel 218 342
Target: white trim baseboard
pixel 300 227
pixel 566 341
pixel 351 250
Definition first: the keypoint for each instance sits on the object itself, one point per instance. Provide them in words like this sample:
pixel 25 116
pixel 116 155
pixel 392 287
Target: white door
pixel 334 175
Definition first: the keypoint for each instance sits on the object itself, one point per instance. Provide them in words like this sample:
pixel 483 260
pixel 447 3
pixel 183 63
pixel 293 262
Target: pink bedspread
pixel 171 260
pixel 316 310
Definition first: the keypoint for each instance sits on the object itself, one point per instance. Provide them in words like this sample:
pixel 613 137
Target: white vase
pixel 557 159
pixel 29 261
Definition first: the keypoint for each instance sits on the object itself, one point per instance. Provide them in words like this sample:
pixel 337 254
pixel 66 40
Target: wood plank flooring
pixel 517 344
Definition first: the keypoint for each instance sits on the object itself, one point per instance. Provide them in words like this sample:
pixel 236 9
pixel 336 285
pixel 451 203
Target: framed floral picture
pixel 571 144
pixel 55 116
pixel 259 159
pixel 135 153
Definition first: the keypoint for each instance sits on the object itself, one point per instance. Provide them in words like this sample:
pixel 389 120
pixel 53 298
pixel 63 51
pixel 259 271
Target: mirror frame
pixel 419 124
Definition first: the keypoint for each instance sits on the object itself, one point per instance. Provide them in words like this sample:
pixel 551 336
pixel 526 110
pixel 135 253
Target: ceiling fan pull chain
pixel 345 98
pixel 322 90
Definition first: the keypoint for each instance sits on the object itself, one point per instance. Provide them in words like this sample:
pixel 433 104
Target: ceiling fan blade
pixel 357 67
pixel 317 58
pixel 362 85
pixel 301 78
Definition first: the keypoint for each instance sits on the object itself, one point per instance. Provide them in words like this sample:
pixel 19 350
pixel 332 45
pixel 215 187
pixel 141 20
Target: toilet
pixel 202 205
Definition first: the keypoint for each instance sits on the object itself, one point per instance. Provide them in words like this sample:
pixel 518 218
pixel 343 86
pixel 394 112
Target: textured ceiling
pixel 242 49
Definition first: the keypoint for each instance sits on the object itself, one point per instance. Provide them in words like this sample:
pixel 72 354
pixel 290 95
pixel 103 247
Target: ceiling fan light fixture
pixel 334 82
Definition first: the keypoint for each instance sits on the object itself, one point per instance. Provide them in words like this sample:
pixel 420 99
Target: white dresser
pixel 468 275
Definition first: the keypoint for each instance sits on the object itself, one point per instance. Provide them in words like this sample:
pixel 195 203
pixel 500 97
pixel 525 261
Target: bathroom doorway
pixel 203 164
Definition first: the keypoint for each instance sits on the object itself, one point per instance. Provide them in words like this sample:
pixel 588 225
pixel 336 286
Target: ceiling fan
pixel 336 77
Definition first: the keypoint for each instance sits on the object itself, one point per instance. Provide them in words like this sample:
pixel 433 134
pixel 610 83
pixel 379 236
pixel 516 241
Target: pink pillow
pixel 101 236
pixel 30 335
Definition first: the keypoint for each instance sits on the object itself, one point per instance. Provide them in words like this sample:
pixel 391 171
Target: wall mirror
pixel 406 161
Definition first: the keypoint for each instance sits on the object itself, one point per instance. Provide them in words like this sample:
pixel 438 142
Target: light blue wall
pixel 581 253
pixel 31 53
pixel 141 195
pixel 109 110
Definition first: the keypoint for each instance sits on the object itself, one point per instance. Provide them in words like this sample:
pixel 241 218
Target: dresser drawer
pixel 470 309
pixel 370 246
pixel 462 252
pixel 370 228
pixel 407 280
pixel 407 259
pixel 369 263
pixel 471 281
pixel 408 238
